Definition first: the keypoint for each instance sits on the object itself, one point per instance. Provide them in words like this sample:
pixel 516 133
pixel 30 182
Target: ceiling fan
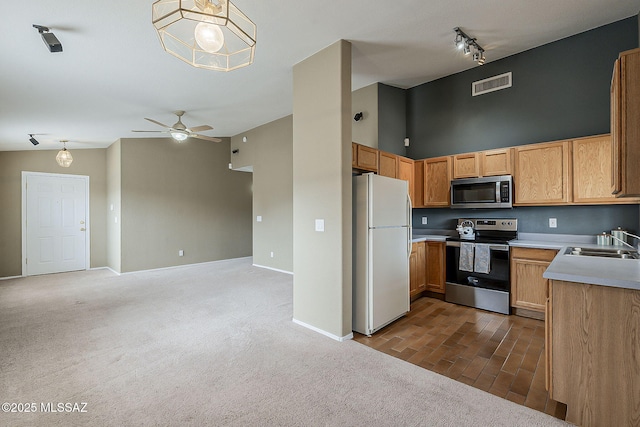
pixel 180 132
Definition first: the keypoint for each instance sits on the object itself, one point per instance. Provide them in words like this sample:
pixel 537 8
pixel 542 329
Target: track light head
pixel 50 40
pixel 33 140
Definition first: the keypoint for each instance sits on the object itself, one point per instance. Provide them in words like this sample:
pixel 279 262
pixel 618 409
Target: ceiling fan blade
pixel 200 128
pixel 206 138
pixel 158 123
pixel 154 131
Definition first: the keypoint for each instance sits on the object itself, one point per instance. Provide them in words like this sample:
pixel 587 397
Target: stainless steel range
pixel 478 263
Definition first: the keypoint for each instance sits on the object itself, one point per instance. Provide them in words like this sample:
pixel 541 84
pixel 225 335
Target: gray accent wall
pixel 560 90
pixel 535 219
pixel 392 119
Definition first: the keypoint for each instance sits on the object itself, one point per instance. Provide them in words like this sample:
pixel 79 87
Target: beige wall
pixel 365 131
pixel 114 183
pixel 269 151
pixel 322 190
pixel 181 196
pixel 91 162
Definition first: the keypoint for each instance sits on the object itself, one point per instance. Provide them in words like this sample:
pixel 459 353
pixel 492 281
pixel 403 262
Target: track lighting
pixel 33 140
pixel 50 40
pixel 469 45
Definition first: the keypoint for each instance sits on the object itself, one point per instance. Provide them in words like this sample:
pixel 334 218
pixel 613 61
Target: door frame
pixel 23 213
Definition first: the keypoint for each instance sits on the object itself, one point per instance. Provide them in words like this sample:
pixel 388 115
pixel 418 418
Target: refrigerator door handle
pixel 410 228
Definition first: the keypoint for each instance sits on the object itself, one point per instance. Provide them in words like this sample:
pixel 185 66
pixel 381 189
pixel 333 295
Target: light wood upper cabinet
pixel 405 171
pixel 366 158
pixel 435 266
pixel 543 173
pixel 418 184
pixel 625 124
pixel 437 181
pixel 496 162
pixel 592 166
pixel 528 287
pixel 387 164
pixel 466 165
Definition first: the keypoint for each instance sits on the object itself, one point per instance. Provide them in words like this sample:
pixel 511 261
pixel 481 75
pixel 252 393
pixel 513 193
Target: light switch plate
pixel 553 223
pixel 259 218
pixel 319 224
pixel 424 220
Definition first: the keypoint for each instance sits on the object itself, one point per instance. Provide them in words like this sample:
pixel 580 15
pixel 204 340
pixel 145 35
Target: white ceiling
pixel 113 71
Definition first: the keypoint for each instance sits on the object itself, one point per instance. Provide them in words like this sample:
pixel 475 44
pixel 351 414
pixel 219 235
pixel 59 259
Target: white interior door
pixel 55 223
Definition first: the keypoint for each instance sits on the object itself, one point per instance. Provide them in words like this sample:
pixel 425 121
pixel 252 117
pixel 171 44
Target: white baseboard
pixel 325 333
pixel 105 268
pixel 273 269
pixel 171 267
pixel 11 277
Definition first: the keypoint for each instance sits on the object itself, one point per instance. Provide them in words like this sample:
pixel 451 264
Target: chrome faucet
pixel 637 249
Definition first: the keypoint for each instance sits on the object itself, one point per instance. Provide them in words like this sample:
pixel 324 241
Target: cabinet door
pixel 628 132
pixel 542 174
pixel 497 162
pixel 466 166
pixel 387 164
pixel 435 273
pixel 413 271
pixel 367 158
pixel 528 287
pixel 405 172
pixel 354 155
pixel 616 130
pixel 422 266
pixel 418 184
pixel 592 170
pixel 437 181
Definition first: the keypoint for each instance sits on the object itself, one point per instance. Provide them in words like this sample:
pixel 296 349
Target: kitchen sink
pixel 603 252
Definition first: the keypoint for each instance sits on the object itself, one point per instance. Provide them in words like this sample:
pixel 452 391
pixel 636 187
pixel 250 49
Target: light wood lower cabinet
pixel 593 353
pixel 528 287
pixel 417 267
pixel 435 266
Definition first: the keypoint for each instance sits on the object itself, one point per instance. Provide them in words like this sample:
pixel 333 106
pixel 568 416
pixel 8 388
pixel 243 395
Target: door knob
pixel 83 229
pixel 81 222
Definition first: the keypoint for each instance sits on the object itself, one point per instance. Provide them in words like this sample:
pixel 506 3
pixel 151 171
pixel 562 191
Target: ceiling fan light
pixel 178 135
pixel 64 158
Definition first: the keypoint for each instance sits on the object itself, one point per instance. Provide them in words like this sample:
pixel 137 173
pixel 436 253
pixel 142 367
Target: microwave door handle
pixel 498 198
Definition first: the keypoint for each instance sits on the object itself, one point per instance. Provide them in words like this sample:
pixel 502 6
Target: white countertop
pixel 620 273
pixel 430 237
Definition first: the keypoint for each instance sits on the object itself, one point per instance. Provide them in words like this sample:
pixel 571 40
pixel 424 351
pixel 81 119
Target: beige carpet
pixel 211 344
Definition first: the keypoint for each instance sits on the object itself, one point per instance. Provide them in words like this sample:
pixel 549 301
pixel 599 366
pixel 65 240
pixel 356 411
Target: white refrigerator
pixel 381 250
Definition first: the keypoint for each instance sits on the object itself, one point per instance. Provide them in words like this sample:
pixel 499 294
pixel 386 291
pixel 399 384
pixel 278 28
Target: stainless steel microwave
pixel 489 192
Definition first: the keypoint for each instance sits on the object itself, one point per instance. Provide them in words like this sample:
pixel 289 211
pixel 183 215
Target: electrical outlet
pixel 320 225
pixel 424 220
pixel 259 218
pixel 180 252
pixel 553 223
pixel 271 254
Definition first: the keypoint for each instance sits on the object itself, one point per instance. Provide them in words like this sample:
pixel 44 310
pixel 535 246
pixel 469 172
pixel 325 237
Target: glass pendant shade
pixel 179 135
pixel 211 34
pixel 64 158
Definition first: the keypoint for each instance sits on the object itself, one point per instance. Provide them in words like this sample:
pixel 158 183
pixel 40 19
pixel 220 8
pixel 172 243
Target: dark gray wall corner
pixel 560 90
pixel 392 119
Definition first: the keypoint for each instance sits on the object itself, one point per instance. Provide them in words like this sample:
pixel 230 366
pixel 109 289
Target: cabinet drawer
pixel 534 253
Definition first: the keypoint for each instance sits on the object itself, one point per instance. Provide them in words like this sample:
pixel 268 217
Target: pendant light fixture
pixel 211 34
pixel 64 157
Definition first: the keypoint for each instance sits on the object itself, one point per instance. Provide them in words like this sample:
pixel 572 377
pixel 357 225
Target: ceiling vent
pixel 491 84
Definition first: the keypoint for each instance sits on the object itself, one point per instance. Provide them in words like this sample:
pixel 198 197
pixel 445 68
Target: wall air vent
pixel 491 84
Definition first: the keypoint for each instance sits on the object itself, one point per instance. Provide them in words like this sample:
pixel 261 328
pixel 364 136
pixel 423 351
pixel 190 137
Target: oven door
pixel 497 279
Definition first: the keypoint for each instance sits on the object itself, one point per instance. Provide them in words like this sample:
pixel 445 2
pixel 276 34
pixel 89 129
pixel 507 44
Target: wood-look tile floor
pixel 503 355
